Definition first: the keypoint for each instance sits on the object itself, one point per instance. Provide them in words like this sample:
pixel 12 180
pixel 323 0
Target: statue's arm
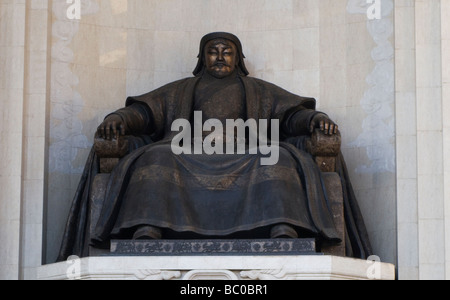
pixel 298 114
pixel 135 119
pixel 305 121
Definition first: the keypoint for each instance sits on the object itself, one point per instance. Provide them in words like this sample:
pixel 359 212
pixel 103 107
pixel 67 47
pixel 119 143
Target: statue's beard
pixel 220 70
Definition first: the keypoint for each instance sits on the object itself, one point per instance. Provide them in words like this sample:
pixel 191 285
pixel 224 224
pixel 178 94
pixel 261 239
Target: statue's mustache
pixel 221 64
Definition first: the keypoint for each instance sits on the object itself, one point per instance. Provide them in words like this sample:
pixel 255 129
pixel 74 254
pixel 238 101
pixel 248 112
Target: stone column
pixel 23 99
pixel 406 139
pixel 445 46
pixel 12 53
pixel 423 138
pixel 35 118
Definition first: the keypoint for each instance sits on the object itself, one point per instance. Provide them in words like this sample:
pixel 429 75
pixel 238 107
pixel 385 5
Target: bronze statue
pixel 154 193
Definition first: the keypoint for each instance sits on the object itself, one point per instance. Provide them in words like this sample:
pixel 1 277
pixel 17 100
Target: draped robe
pixel 217 195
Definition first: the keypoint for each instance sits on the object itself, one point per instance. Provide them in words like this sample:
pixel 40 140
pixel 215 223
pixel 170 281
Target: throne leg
pixel 334 190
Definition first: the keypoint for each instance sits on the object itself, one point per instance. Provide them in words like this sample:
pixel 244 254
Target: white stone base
pixel 218 268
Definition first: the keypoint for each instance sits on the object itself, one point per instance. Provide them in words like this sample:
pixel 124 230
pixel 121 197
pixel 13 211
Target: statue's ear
pixel 203 58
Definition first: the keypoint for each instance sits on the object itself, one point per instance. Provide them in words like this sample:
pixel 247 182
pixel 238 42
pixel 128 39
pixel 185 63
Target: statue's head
pixel 220 55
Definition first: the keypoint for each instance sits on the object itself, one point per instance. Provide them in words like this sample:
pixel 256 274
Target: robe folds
pixel 217 195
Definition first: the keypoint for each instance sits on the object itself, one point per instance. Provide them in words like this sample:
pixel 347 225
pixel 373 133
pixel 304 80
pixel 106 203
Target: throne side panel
pixel 334 190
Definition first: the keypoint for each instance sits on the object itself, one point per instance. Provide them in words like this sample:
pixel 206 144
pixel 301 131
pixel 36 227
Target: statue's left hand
pixel 111 128
pixel 324 123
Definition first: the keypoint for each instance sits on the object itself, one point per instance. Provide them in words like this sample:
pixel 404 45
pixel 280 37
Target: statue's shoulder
pixel 272 91
pixel 173 86
pixel 254 80
pixel 167 90
pixel 263 85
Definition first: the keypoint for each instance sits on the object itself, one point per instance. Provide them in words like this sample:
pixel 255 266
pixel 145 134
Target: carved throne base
pixel 213 247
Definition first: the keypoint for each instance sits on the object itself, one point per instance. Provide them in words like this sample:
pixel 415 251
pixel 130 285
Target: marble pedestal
pixel 314 267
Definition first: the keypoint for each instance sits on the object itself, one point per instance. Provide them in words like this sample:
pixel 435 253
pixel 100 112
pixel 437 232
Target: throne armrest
pixel 325 149
pixel 110 152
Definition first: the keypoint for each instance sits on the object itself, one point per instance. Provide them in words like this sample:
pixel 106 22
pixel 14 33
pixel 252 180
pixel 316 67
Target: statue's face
pixel 221 57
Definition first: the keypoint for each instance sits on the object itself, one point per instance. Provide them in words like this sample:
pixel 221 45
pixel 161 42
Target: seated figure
pixel 170 187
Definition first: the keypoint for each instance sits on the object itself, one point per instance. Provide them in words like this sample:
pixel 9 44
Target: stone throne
pixel 324 148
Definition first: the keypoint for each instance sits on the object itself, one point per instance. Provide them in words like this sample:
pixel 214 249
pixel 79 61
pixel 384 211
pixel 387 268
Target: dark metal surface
pixel 213 247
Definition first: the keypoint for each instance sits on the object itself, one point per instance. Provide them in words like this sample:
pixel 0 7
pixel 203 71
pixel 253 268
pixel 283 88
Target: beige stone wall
pixel 60 77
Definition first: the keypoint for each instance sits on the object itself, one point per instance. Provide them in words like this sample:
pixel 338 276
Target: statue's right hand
pixel 111 128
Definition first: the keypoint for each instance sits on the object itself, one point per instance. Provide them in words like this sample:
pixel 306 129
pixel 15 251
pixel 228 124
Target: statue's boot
pixel 283 231
pixel 147 233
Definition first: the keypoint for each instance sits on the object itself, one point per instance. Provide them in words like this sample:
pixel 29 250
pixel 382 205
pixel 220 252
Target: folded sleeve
pixel 137 119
